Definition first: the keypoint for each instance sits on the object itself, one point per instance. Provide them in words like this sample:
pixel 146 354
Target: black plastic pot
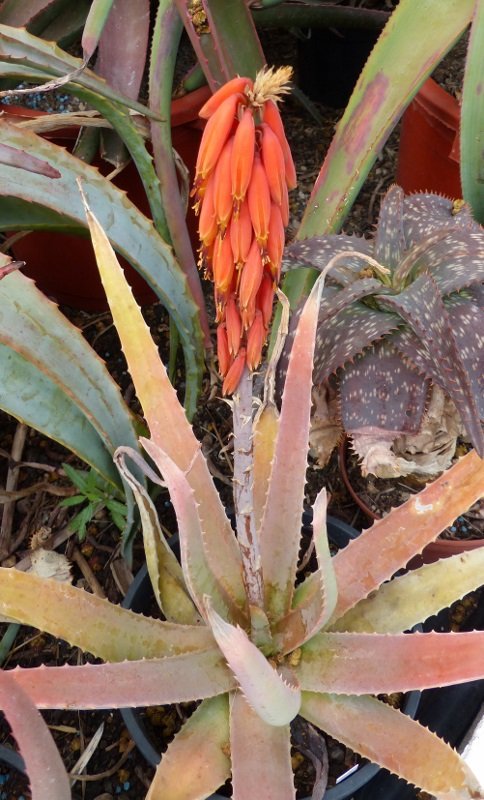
pixel 330 61
pixel 138 599
pixel 12 759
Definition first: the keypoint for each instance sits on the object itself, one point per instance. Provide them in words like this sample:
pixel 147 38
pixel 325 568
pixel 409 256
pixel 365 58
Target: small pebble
pixel 453 528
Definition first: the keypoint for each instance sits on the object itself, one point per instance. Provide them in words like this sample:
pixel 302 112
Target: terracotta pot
pixel 428 158
pixel 63 265
pixel 441 548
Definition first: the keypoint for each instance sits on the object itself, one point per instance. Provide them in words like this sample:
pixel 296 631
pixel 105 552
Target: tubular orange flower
pixel 235 86
pixel 275 241
pixel 234 325
pixel 233 376
pixel 241 233
pixel 207 224
pixel 243 155
pixel 223 354
pixel 222 197
pixel 265 298
pixel 273 160
pixel 259 198
pixel 214 136
pixel 251 277
pixel 223 266
pixel 255 341
pixel 273 119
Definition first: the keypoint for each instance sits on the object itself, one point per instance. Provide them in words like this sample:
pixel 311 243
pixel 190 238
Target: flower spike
pixel 244 169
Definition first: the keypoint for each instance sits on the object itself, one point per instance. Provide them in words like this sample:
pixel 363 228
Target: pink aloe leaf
pixel 315 599
pixel 400 604
pixel 123 46
pixel 19 13
pixel 272 698
pixel 23 160
pixel 201 578
pixel 165 572
pixel 269 774
pixel 389 738
pixel 281 523
pixel 196 762
pixel 374 663
pixel 47 774
pixel 173 679
pixel 95 625
pixel 166 418
pixel 391 542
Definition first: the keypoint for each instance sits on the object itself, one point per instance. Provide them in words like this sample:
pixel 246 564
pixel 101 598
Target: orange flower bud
pixel 243 155
pixel 251 277
pixel 214 137
pixel 259 199
pixel 241 233
pixel 223 266
pixel 234 325
pixel 207 224
pixel 255 341
pixel 273 119
pixel 222 197
pixel 247 315
pixel 233 376
pixel 275 241
pixel 265 298
pixel 273 160
pixel 285 207
pixel 235 86
pixel 223 354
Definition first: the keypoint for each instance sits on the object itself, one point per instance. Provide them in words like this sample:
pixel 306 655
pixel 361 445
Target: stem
pixel 243 496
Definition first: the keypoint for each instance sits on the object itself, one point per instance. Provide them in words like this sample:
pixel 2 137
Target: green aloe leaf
pixel 30 396
pixel 383 91
pixel 129 231
pixel 95 22
pixel 472 117
pixel 33 327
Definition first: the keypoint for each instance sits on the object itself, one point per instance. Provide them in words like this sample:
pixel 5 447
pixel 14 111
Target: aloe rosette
pixel 402 310
pixel 243 173
pixel 320 648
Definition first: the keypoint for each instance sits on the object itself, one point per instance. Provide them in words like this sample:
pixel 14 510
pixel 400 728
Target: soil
pixel 116 770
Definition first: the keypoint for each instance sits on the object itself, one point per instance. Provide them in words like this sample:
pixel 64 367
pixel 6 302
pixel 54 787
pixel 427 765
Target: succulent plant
pixel 401 311
pixel 240 633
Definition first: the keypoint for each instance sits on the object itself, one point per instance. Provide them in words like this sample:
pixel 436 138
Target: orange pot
pixel 63 265
pixel 429 159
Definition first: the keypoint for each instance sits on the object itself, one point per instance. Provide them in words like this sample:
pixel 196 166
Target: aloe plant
pixel 240 634
pixel 402 311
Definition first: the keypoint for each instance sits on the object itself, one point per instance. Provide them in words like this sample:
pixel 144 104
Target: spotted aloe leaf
pixel 421 305
pixel 389 734
pixel 386 337
pixel 48 777
pixel 380 96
